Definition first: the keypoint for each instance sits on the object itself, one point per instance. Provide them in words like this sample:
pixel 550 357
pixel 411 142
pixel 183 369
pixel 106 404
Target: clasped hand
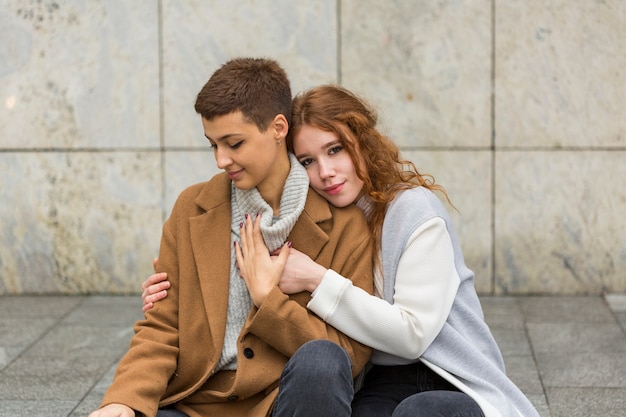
pixel 257 266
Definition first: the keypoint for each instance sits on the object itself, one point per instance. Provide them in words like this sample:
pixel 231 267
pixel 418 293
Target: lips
pixel 334 189
pixel 233 175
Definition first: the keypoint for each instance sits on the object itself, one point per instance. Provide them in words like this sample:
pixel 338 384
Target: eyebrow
pixel 223 138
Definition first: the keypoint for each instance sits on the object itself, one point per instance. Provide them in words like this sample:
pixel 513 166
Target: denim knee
pixel 322 357
pixel 316 381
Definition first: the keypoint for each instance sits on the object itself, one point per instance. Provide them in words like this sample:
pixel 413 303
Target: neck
pixel 272 188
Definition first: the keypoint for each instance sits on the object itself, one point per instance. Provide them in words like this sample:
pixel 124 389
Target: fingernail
pixel 240 225
pixel 258 214
pixel 289 243
pixel 246 215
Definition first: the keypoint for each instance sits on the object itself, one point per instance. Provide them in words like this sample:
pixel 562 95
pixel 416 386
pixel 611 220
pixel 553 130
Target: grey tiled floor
pixel 58 354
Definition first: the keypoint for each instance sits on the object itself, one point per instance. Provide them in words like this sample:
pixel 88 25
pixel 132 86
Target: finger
pixel 239 256
pixel 256 233
pixel 153 279
pixel 158 287
pixel 283 255
pixel 147 307
pixel 243 238
pixel 156 297
pixel 154 263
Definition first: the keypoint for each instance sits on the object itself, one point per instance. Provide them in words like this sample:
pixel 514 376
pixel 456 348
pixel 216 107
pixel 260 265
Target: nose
pixel 326 168
pixel 222 157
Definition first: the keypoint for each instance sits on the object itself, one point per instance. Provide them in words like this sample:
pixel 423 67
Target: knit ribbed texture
pixel 275 232
pixel 291 205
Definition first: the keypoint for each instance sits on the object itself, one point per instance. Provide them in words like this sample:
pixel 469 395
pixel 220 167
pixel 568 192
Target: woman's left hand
pixel 257 267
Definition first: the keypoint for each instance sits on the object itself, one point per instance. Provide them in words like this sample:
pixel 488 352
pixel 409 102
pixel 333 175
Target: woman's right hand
pixel 154 288
pixel 301 273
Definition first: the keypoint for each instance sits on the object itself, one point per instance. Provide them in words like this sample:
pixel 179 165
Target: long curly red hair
pixel 376 158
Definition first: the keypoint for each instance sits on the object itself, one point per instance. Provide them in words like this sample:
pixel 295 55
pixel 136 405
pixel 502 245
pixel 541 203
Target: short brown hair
pixel 257 87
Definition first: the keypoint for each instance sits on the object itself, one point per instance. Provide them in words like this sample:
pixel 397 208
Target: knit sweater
pixel 275 230
pixel 430 311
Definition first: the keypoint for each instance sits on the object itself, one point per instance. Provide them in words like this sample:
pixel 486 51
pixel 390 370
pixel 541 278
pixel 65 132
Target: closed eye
pixel 236 145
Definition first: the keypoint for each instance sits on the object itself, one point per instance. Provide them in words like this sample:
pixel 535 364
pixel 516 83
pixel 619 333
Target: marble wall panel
pixel 559 224
pixel 559 73
pixel 79 74
pixel 467 177
pixel 185 168
pixel 199 36
pixel 425 65
pixel 78 222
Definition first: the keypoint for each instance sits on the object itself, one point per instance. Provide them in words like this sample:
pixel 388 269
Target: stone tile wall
pixel 517 107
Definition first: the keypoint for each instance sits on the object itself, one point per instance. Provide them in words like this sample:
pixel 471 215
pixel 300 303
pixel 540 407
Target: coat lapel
pixel 307 233
pixel 211 244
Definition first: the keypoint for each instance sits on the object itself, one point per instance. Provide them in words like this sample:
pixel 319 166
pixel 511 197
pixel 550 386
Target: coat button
pixel 233 398
pixel 248 353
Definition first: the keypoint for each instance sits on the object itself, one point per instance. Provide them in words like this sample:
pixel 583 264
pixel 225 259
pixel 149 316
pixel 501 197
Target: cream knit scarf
pixel 275 232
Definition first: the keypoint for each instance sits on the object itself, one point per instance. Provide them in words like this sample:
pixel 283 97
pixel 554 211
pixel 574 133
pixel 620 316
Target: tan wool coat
pixel 173 354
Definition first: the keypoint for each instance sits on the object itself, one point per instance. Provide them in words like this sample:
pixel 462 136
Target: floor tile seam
pixel 97 381
pixel 43 334
pixel 532 352
pixel 614 313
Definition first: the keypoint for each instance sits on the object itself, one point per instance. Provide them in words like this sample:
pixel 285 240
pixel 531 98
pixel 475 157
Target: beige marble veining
pixel 199 36
pixel 515 106
pixel 185 168
pixel 424 65
pixel 76 223
pixel 466 176
pixel 559 222
pixel 79 74
pixel 559 73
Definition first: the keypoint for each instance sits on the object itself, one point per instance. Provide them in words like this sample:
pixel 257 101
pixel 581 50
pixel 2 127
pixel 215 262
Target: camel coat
pixel 173 354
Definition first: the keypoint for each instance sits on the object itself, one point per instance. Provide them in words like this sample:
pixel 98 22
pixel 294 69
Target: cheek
pixel 314 179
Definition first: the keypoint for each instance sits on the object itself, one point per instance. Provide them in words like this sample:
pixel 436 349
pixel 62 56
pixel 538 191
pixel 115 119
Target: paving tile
pixel 502 312
pixel 523 372
pixel 107 311
pixel 621 318
pixel 24 307
pixel 35 408
pixel 577 337
pixel 540 403
pixel 63 387
pixel 565 310
pixel 512 342
pixel 616 302
pixel 602 369
pixel 86 342
pixel 17 334
pixel 93 399
pixel 587 402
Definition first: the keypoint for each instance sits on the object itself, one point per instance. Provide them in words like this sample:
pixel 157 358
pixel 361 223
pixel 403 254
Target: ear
pixel 280 126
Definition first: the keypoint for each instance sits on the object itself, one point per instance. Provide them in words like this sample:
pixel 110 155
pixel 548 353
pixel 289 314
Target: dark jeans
pixel 411 391
pixel 317 381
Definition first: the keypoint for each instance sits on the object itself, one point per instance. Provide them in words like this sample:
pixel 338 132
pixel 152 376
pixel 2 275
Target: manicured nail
pixel 240 225
pixel 246 215
pixel 289 243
